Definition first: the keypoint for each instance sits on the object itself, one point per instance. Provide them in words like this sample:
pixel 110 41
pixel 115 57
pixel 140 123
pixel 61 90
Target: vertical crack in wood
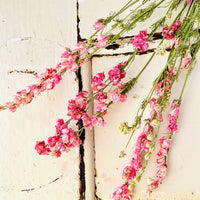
pixel 80 123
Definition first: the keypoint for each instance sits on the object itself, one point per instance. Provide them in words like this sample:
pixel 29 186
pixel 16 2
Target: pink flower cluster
pixel 77 106
pixel 98 25
pixel 140 41
pixel 50 78
pixel 122 193
pixel 104 98
pixel 144 145
pixel 161 170
pixel 172 117
pixel 64 139
pixel 102 41
pixel 116 74
pixel 171 34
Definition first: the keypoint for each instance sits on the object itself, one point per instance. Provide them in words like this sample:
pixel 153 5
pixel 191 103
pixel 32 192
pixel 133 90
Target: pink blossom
pixel 97 121
pixel 187 61
pixel 102 40
pixel 56 153
pixel 87 122
pixel 41 148
pixel 98 25
pixel 101 96
pixel 68 61
pixel 115 74
pixel 165 142
pixel 70 139
pixel 101 107
pixel 174 105
pixel 172 127
pixel 175 43
pixel 53 140
pixel 77 106
pixel 122 193
pixel 116 96
pixel 171 34
pixel 98 82
pixel 129 173
pixel 80 46
pixel 140 41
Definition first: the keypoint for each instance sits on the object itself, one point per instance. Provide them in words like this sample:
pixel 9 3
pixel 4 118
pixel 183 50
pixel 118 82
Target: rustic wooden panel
pixel 30 38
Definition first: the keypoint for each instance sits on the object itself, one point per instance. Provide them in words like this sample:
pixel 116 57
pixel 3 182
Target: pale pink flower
pixel 98 25
pixel 171 34
pixel 175 43
pixel 102 40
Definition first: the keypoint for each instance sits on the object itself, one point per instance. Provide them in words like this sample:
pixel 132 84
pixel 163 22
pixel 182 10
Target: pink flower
pixel 101 107
pixel 171 34
pixel 122 193
pixel 80 46
pixel 41 148
pixel 116 74
pixel 116 96
pixel 77 106
pixel 140 41
pixel 97 121
pixel 98 25
pixel 53 140
pixel 175 43
pixel 101 96
pixel 187 61
pixel 172 127
pixel 68 61
pixel 165 142
pixel 98 82
pixel 129 173
pixel 102 40
pixel 70 139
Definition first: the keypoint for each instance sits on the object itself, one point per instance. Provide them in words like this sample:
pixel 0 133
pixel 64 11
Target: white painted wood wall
pixel 31 36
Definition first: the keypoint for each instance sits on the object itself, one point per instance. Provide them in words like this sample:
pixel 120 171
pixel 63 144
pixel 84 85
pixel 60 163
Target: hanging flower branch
pixel 181 37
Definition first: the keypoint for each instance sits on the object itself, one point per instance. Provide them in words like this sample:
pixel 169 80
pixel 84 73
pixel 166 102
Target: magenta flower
pixel 140 41
pixel 98 82
pixel 116 74
pixel 41 148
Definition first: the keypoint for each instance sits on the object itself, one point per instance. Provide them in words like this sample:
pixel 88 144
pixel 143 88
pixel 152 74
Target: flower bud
pixel 141 170
pixel 147 156
pixel 152 149
pixel 137 179
pixel 150 136
pixel 131 187
pixel 149 144
pixel 122 154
